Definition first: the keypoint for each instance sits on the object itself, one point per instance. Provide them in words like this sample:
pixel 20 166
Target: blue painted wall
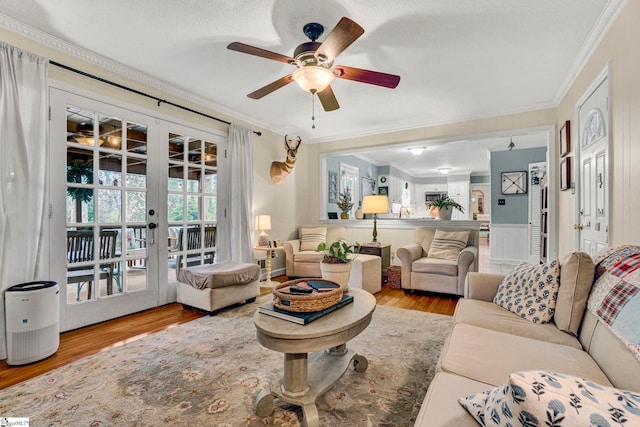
pixel 364 170
pixel 516 207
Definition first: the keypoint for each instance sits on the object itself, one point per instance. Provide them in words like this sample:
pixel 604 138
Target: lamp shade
pixel 264 222
pixel 313 78
pixel 376 204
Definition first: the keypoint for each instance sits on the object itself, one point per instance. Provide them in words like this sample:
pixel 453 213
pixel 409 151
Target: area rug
pixel 207 373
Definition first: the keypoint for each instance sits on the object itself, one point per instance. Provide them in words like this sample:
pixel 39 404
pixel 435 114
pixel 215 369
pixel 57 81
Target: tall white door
pixel 593 154
pixel 121 182
pixel 537 172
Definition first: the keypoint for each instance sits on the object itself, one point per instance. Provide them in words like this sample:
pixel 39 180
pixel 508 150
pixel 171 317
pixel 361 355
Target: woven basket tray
pixel 305 303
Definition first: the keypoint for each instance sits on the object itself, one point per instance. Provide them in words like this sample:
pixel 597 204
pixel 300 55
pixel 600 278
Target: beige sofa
pixel 487 343
pixel 420 272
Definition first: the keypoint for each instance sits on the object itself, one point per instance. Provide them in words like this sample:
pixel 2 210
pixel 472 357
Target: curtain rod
pixel 160 101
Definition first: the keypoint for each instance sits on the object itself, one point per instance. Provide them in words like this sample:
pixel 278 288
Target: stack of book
pixel 302 318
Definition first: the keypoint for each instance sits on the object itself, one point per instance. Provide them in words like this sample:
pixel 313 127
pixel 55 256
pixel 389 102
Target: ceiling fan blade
pixel 252 50
pixel 366 76
pixel 344 33
pixel 266 90
pixel 328 99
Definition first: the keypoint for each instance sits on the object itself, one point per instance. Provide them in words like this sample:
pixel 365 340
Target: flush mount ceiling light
pixel 416 151
pixel 511 145
pixel 444 171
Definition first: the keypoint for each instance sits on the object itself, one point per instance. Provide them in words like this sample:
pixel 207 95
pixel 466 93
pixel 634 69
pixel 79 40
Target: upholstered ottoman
pixel 214 286
pixel 366 273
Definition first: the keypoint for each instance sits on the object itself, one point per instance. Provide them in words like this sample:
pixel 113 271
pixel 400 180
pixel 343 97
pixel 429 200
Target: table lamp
pixel 375 205
pixel 264 223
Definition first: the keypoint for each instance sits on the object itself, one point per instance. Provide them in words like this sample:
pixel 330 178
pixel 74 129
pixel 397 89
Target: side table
pixel 383 251
pixel 267 283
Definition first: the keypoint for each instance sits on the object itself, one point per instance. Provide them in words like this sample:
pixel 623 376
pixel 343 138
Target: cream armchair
pixel 425 267
pixel 302 260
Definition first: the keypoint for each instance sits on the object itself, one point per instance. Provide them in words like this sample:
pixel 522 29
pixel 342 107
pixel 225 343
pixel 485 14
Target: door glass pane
pixel 110 171
pixel 175 207
pixel 136 172
pixel 211 154
pixel 136 206
pixel 110 205
pixel 136 138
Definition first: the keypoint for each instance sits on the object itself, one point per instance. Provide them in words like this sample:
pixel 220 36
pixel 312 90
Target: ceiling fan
pixel 314 62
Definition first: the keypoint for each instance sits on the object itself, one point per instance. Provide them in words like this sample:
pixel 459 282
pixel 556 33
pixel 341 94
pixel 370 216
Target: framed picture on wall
pixel 565 173
pixel 383 190
pixel 565 138
pixel 333 186
pixel 368 186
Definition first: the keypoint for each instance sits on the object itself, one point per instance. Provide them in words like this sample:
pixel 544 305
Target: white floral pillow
pixel 530 291
pixel 540 398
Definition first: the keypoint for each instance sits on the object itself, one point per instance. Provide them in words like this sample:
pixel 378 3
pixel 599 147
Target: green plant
pixel 339 252
pixel 445 203
pixel 345 204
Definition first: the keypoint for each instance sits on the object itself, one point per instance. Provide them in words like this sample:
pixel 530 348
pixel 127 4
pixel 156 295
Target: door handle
pixel 577 226
pixel 152 238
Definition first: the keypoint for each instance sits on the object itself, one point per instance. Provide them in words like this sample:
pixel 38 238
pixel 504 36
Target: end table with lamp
pixel 267 283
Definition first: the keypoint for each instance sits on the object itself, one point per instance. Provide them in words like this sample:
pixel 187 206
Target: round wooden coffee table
pixel 315 355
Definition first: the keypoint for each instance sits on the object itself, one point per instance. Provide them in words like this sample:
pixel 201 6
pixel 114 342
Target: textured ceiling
pixel 457 60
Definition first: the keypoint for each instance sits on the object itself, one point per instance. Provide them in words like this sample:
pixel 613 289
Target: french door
pixel 122 184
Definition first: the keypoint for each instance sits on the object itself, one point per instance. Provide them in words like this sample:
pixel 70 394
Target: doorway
pixel 592 152
pixel 118 180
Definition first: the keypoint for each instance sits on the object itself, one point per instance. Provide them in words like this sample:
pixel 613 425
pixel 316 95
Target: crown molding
pixel 599 30
pixel 93 58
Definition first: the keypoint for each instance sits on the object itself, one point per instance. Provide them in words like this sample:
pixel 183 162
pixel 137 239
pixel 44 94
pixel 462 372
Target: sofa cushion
pixel 539 398
pixel 308 256
pixel 220 274
pixel 448 244
pixel 530 291
pixel 489 356
pixel 435 266
pixel 576 278
pixel 440 406
pixel 491 316
pixel 311 237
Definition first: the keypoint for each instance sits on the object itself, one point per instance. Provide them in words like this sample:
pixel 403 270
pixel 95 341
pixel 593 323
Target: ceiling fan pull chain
pixel 313 111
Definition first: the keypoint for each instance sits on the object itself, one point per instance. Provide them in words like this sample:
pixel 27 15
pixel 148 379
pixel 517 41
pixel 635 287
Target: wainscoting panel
pixel 508 243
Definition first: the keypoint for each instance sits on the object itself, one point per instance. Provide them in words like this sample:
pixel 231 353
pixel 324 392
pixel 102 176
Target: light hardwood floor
pixel 93 339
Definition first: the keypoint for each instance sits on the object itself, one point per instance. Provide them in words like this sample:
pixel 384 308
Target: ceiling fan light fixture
pixel 444 171
pixel 416 151
pixel 313 78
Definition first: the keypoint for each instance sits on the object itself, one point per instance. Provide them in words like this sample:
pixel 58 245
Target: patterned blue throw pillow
pixel 551 399
pixel 530 291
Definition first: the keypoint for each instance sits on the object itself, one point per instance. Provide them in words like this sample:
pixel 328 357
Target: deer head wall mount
pixel 280 170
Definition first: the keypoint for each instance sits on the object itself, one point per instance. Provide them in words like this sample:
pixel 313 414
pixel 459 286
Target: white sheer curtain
pixel 23 169
pixel 235 231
